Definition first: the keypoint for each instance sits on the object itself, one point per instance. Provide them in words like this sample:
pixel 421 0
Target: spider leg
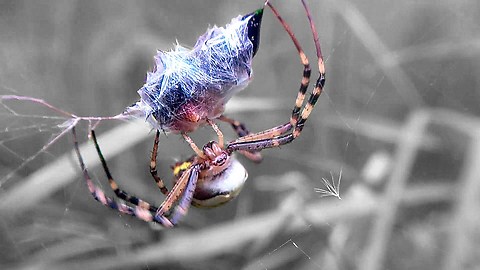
pixel 184 203
pixel 284 128
pixel 266 134
pixel 237 126
pixel 185 185
pixel 153 165
pixel 99 195
pixel 242 131
pixel 320 84
pixel 218 131
pixel 273 137
pixel 181 186
pixel 195 148
pixel 113 184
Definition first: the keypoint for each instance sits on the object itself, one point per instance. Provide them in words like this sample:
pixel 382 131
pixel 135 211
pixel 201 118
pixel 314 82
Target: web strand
pixel 21 125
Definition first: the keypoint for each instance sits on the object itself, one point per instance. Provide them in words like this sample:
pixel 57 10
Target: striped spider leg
pixel 242 131
pixel 277 136
pixel 238 127
pixel 141 209
pixel 212 177
pixel 153 165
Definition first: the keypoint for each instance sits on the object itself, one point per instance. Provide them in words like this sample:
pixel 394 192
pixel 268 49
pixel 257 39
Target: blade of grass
pixel 407 149
pixel 465 213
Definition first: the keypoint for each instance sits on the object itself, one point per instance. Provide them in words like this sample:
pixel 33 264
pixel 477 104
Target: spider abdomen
pixel 220 188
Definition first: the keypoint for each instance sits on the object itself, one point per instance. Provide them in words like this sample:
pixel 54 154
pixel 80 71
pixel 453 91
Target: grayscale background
pixel 398 121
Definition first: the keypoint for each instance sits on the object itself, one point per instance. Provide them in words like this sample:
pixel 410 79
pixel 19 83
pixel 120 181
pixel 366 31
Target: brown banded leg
pixel 166 205
pixel 181 186
pixel 320 84
pixel 186 201
pixel 276 136
pixel 218 131
pixel 257 145
pixel 306 67
pixel 113 184
pixel 195 148
pixel 242 131
pixel 282 129
pixel 182 194
pixel 153 165
pixel 237 126
pixel 99 195
pixel 266 134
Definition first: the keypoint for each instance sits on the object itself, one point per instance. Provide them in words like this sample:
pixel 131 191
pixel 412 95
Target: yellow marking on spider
pixel 182 167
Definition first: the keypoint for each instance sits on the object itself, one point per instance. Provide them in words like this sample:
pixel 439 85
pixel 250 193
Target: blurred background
pixel 398 124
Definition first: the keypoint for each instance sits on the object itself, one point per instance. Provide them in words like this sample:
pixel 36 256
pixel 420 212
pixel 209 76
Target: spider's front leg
pixel 294 118
pixel 278 135
pixel 182 194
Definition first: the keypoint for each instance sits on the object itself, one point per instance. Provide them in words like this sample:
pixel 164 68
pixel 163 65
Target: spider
pixel 212 176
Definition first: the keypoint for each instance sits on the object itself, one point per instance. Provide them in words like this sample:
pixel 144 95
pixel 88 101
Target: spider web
pixel 21 125
pixel 26 118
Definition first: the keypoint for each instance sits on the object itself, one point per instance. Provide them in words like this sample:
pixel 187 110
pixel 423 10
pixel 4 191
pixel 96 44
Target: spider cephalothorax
pixel 213 176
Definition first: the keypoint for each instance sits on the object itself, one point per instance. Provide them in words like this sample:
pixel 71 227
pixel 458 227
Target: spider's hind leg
pixel 186 200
